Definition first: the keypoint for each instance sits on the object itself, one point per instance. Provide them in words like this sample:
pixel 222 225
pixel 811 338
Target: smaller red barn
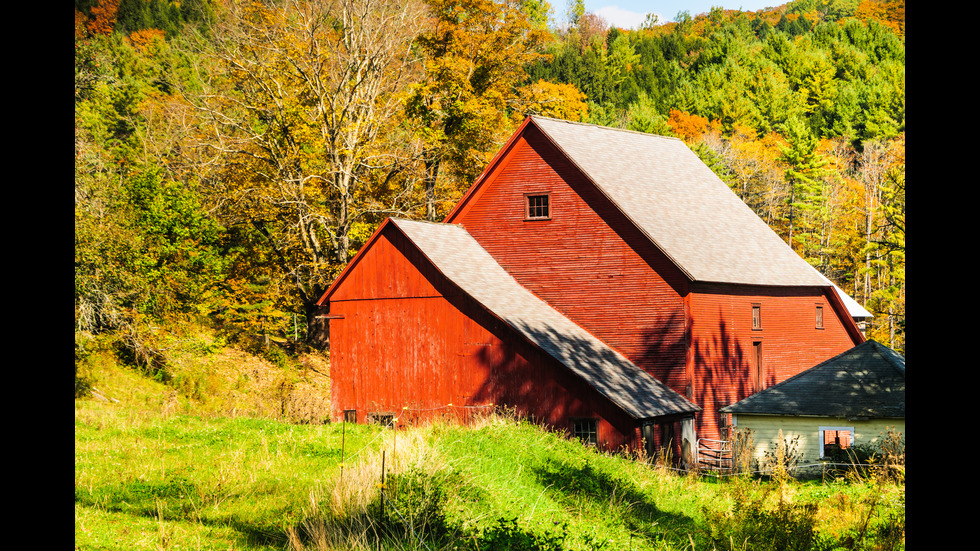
pixel 424 317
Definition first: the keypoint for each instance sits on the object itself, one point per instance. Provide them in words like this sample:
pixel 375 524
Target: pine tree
pixel 805 169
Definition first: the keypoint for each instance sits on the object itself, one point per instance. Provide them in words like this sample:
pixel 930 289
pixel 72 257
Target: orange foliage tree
pixel 103 18
pixel 890 13
pixel 686 126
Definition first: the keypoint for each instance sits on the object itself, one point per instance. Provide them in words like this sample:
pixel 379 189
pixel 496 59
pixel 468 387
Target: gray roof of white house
pixel 683 207
pixel 866 382
pixel 458 256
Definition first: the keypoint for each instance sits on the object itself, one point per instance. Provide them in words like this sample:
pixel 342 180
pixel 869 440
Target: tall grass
pixel 157 469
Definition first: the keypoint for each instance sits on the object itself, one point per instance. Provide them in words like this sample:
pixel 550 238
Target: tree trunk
pixel 431 174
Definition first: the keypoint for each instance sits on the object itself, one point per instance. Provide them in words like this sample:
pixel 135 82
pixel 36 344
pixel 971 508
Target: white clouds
pixel 618 17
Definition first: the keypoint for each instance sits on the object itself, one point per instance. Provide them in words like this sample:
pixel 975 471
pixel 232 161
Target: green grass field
pixel 155 469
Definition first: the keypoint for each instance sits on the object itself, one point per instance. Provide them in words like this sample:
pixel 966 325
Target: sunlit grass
pixel 155 471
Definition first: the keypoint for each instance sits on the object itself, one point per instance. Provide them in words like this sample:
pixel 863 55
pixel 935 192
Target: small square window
pixel 819 316
pixel 586 430
pixel 835 439
pixel 537 207
pixel 756 316
pixel 350 415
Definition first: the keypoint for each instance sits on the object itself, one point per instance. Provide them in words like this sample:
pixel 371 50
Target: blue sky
pixel 630 13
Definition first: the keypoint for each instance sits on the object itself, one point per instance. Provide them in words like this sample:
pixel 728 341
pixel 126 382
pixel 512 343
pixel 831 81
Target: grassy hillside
pixel 215 460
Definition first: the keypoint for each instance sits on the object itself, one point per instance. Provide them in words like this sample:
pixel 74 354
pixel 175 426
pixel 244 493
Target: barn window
pixel 537 207
pixel 834 439
pixel 350 415
pixel 756 316
pixel 819 316
pixel 586 430
pixel 383 419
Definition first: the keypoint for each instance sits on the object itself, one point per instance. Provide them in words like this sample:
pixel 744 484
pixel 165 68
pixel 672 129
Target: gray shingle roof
pixel 682 206
pixel 867 381
pixel 458 256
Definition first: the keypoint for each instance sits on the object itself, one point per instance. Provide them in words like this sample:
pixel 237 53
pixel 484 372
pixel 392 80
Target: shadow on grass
pixel 578 484
pixel 174 500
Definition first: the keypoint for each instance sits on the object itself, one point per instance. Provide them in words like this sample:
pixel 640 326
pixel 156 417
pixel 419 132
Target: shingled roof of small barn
pixel 866 382
pixel 458 256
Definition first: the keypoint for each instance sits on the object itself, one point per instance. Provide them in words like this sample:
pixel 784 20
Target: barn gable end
pixel 587 260
pixel 464 333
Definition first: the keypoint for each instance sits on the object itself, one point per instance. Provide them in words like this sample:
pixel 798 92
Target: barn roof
pixel 458 256
pixel 867 381
pixel 683 207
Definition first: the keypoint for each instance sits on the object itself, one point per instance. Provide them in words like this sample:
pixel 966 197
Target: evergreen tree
pixel 805 169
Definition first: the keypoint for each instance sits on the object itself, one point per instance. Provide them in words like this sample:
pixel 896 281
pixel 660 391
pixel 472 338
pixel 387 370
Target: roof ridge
pixel 601 127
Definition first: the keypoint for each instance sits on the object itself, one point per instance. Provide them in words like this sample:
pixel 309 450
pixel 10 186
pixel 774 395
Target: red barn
pixel 604 281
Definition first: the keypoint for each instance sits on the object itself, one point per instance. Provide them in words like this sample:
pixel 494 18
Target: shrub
pixel 882 458
pixel 83 350
pixel 508 534
pixel 780 526
pixel 782 457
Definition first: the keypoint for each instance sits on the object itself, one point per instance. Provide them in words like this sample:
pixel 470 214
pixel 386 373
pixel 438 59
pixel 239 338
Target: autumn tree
pixel 302 116
pixel 147 250
pixel 559 101
pixel 475 53
pixel 882 173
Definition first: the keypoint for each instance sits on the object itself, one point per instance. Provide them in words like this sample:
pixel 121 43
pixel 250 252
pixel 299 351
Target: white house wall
pixel 765 432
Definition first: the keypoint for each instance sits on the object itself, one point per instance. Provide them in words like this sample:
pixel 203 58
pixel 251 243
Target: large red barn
pixel 604 281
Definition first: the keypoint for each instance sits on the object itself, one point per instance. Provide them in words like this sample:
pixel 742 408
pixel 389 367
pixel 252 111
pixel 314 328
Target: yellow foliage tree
pixel 556 100
pixel 302 114
pixel 475 53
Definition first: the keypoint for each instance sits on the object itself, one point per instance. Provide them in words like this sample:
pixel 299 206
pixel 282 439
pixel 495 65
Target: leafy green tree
pixel 133 15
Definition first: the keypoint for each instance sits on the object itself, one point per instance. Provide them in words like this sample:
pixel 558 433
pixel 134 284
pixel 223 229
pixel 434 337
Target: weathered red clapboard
pixel 408 338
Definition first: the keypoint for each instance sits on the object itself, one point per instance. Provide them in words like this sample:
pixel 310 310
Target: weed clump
pixel 763 518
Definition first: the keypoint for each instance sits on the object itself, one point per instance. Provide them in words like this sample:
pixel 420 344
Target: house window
pixel 834 439
pixel 537 207
pixel 819 316
pixel 756 316
pixel 586 430
pixel 350 415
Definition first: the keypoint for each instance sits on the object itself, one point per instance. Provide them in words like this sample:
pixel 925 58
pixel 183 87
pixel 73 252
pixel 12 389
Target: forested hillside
pixel 231 157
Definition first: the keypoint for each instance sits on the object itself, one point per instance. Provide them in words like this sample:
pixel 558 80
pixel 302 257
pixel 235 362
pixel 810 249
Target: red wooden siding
pixel 723 341
pixel 592 264
pixel 580 261
pixel 402 336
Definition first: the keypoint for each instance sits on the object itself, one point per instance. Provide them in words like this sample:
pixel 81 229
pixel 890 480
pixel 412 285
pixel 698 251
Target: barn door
pixel 658 438
pixel 649 445
pixel 688 442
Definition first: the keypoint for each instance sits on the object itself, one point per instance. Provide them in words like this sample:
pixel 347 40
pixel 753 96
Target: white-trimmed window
pixel 835 437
